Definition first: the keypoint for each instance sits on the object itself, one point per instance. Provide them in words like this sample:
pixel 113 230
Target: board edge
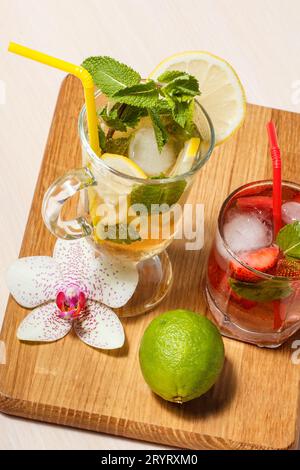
pixel 126 428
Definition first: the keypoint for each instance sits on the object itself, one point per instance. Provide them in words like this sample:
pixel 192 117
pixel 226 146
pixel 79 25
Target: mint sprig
pixel 288 240
pixel 173 95
pixel 179 89
pixel 264 291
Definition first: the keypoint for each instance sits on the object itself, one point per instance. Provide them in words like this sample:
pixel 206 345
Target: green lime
pixel 181 355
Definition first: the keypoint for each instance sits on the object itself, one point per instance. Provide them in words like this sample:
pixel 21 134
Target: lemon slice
pixel 123 165
pixel 222 94
pixel 186 157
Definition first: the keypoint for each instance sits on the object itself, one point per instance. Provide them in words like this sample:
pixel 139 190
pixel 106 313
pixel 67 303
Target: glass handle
pixel 60 192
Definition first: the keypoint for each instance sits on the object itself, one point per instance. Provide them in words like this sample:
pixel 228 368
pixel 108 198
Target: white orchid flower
pixel 72 289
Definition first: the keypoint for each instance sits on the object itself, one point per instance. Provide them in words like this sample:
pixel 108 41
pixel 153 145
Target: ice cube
pixel 143 150
pixel 290 212
pixel 246 232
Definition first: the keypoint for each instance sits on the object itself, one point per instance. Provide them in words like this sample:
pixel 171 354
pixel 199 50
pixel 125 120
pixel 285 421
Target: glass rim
pixel 220 225
pixel 98 162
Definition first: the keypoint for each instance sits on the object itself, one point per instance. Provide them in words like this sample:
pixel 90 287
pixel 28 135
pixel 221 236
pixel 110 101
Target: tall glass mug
pixel 131 219
pixel 253 288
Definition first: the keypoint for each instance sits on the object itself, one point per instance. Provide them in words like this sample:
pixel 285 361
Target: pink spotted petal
pixel 100 327
pixel 34 280
pixel 60 300
pixel 81 300
pixel 74 258
pixel 43 324
pixel 112 282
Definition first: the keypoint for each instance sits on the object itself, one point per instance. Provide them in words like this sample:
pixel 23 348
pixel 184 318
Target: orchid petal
pixel 43 324
pixel 100 327
pixel 74 258
pixel 34 280
pixel 112 282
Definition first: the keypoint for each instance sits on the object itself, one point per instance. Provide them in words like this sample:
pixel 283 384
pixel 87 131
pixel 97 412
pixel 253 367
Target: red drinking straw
pixel 277 202
pixel 276 161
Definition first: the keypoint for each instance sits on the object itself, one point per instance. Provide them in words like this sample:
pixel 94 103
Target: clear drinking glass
pixel 247 304
pixel 106 217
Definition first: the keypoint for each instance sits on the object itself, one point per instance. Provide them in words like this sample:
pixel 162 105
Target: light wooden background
pixel 259 37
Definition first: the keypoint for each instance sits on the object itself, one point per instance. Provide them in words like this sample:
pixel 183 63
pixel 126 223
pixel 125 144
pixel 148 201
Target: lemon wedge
pixel 123 165
pixel 222 94
pixel 186 158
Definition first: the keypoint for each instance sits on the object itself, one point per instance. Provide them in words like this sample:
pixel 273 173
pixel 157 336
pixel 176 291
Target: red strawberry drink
pixel 253 278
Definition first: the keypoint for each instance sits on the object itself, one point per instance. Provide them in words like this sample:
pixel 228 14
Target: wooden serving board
pixel 255 403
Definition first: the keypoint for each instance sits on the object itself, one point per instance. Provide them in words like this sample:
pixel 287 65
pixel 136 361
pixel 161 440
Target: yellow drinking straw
pixel 77 71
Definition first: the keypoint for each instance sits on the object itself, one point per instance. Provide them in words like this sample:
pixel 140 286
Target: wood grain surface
pixel 74 29
pixel 255 403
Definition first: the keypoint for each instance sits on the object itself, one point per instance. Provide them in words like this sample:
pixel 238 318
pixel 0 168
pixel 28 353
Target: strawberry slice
pixel 219 280
pixel 288 268
pixel 262 260
pixel 252 202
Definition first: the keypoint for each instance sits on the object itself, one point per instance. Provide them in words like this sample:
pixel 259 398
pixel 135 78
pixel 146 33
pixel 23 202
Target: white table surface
pixel 259 37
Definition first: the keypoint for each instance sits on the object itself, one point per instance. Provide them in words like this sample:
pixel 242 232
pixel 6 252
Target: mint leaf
pixel 170 75
pixel 112 118
pixel 183 115
pixel 148 194
pixel 288 239
pixel 179 91
pixel 131 115
pixel 109 75
pixel 144 95
pixel 163 107
pixel 180 113
pixel 159 129
pixel 264 291
pixel 173 128
pixel 182 88
pixel 102 138
pixel 190 126
pixel 179 86
pixel 122 116
pixel 118 146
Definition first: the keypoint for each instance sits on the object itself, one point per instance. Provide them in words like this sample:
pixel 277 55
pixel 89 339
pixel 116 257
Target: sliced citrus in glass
pixel 186 158
pixel 123 165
